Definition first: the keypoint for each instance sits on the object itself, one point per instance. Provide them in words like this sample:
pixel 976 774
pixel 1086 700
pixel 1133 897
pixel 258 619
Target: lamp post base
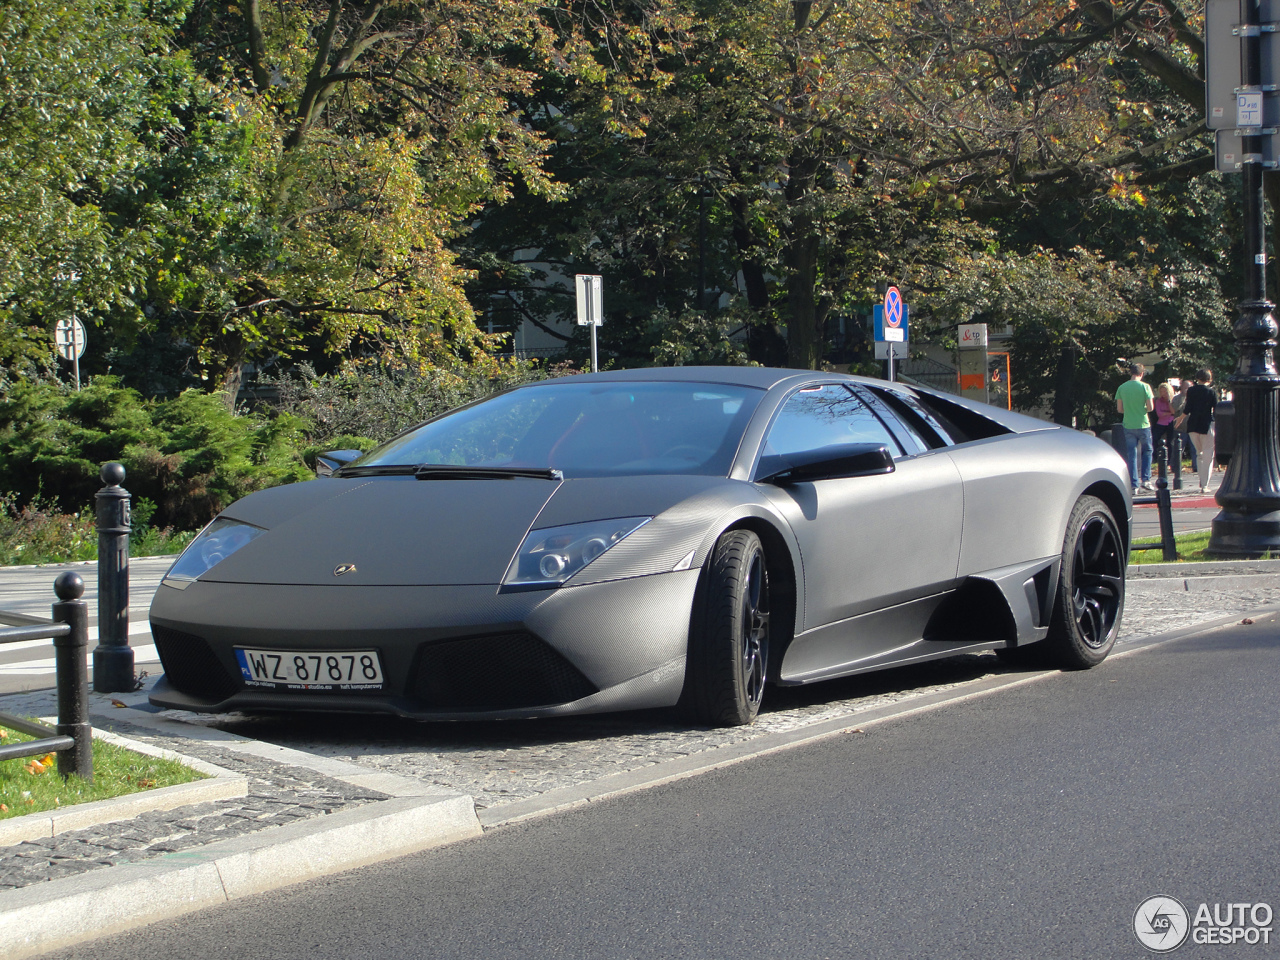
pixel 113 669
pixel 1249 524
pixel 1245 535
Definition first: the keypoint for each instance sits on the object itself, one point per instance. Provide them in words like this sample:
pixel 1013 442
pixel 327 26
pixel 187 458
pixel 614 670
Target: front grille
pixel 508 671
pixel 191 665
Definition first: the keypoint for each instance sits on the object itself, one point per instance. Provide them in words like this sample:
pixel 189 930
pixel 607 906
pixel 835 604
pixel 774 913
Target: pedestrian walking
pixel 1162 417
pixel 1199 412
pixel 1134 401
pixel 1180 421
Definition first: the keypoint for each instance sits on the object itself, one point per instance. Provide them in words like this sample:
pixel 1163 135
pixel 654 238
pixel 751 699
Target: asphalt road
pixel 1029 823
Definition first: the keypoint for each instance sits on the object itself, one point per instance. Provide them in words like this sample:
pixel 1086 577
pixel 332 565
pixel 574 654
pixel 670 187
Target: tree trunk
pixel 1064 388
pixel 229 383
pixel 804 320
pixel 804 323
pixel 765 343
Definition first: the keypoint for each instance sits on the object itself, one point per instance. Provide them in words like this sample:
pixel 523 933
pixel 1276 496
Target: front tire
pixel 729 635
pixel 1090 599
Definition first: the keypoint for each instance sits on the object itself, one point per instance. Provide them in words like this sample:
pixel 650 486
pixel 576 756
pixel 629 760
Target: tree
pixel 82 87
pixel 334 149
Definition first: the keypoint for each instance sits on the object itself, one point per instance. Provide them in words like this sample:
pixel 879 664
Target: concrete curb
pixel 1204 568
pixel 220 785
pixel 46 916
pixel 1150 585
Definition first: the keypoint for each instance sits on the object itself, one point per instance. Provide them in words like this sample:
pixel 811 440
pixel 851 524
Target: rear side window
pixel 825 416
pixel 961 423
pixel 917 418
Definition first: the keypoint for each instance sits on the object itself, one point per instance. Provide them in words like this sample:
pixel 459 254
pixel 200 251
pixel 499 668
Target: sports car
pixel 651 538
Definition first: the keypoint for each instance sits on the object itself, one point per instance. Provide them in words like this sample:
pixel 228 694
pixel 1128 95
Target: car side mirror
pixel 327 463
pixel 836 462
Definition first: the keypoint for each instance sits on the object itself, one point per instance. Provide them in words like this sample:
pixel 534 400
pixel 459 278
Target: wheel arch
pixel 1115 501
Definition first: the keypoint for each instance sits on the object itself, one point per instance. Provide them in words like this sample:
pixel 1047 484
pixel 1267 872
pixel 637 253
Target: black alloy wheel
pixel 1090 600
pixel 726 666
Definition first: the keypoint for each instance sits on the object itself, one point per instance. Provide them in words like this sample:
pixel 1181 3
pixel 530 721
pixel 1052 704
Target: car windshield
pixel 616 428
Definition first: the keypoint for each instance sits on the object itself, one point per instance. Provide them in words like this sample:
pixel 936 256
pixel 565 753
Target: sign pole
pixel 889 323
pixel 590 290
pixel 1249 524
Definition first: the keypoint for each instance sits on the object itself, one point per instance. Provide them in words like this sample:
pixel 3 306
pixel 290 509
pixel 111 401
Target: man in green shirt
pixel 1134 401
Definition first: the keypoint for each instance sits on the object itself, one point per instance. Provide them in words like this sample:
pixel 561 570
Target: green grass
pixel 28 786
pixel 1191 547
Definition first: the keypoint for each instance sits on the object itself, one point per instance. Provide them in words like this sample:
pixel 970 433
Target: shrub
pixel 38 532
pixel 189 456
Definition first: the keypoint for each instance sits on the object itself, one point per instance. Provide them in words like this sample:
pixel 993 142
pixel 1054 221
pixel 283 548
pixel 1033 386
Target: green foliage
pixel 38 532
pixel 83 86
pixel 189 456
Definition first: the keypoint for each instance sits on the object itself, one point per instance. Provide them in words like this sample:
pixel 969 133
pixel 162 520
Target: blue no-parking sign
pixel 890 318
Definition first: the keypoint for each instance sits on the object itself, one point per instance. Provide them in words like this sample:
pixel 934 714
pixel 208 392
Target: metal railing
pixel 72 739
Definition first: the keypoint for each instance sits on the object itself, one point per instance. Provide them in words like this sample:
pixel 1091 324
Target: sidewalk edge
pixel 219 784
pixel 47 916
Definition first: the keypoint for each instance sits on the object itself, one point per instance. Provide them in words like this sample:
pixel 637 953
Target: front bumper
pixel 447 652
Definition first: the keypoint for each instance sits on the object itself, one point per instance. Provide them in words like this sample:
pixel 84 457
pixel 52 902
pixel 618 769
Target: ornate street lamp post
pixel 1249 524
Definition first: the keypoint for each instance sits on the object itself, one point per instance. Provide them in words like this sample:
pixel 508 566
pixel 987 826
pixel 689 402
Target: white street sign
pixel 1248 109
pixel 590 299
pixel 970 336
pixel 69 337
pixel 886 348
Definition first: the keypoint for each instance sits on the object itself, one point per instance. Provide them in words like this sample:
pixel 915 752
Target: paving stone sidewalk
pixel 496 763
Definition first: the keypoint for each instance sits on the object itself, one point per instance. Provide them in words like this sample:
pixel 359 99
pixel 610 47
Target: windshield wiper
pixel 444 471
pixel 447 471
pixel 383 470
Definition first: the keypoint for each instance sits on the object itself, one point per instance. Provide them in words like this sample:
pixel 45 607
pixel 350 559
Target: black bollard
pixel 113 657
pixel 73 676
pixel 1164 509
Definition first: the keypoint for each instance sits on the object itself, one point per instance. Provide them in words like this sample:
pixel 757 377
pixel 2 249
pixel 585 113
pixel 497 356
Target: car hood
pixel 395 531
pixel 399 531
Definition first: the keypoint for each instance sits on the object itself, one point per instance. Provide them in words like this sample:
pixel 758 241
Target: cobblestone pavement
pixel 500 762
pixel 278 794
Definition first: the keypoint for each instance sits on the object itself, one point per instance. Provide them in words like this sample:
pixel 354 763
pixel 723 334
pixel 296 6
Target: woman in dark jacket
pixel 1199 412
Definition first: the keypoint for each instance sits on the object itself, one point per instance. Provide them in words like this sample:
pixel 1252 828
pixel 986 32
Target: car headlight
pixel 214 544
pixel 552 555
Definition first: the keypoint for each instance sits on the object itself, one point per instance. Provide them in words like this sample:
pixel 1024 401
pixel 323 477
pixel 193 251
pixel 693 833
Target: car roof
pixel 761 377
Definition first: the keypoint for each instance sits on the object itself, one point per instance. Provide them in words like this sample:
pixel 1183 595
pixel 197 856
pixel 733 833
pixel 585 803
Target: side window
pixel 906 409
pixel 823 416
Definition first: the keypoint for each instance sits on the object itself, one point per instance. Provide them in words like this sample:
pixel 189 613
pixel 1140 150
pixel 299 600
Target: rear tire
pixel 1090 598
pixel 729 635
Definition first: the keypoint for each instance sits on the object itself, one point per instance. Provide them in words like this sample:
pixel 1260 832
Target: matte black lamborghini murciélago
pixel 651 538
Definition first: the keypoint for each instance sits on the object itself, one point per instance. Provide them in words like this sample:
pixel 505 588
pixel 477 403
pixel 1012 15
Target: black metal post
pixel 1175 456
pixel 1249 524
pixel 1164 507
pixel 73 676
pixel 113 657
